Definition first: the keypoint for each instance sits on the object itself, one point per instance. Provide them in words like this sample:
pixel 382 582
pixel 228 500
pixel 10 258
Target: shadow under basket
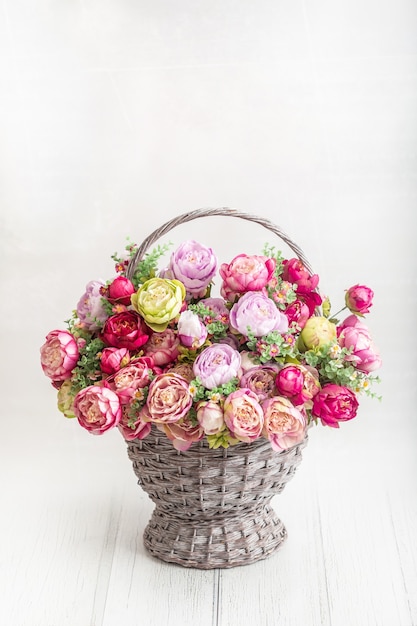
pixel 212 506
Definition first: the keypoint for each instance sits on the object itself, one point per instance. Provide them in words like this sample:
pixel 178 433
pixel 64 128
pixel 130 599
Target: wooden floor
pixel 116 115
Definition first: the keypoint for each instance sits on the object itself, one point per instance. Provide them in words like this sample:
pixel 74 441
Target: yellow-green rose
pixel 159 301
pixel 66 399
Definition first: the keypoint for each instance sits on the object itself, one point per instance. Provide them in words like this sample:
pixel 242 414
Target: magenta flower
pixel 257 312
pixel 359 299
pixel 217 365
pixel 112 359
pixel 59 355
pixel 125 330
pixel 90 310
pixel 139 430
pixel 120 290
pixel 194 265
pixel 296 272
pixel 298 383
pixel 98 409
pixel 334 404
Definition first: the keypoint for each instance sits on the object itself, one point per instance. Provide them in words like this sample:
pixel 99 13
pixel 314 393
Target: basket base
pixel 209 544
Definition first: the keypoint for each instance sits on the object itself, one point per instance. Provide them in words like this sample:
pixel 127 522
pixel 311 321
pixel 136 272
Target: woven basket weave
pixel 212 506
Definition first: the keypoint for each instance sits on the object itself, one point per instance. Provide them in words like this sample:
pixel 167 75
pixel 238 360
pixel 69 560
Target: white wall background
pixel 116 115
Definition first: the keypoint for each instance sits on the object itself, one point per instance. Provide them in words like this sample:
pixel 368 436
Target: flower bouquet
pixel 214 394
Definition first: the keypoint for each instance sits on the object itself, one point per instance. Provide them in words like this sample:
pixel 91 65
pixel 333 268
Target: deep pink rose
pixel 298 383
pixel 182 433
pixel 243 415
pixel 245 273
pixel 128 380
pixel 298 313
pixel 354 334
pixel 59 355
pixel 359 299
pixel 258 312
pixel 125 330
pixel 334 404
pixel 261 380
pixel 294 271
pixel 120 290
pixel 98 409
pixel 169 399
pixel 138 429
pixel 163 347
pixel 112 359
pixel 284 423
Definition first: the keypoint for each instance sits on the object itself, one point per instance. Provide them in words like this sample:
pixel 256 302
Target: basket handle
pixel 224 211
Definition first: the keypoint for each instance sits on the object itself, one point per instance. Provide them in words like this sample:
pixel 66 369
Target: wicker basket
pixel 212 506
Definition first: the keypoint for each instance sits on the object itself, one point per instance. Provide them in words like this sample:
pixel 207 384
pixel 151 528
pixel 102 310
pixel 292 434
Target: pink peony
pixel 163 347
pixel 217 365
pixel 245 273
pixel 191 331
pixel 112 359
pixel 243 415
pixel 295 272
pixel 138 429
pixel 194 265
pixel 128 380
pixel 125 330
pixel 169 399
pixel 354 335
pixel 261 380
pixel 359 299
pixel 98 409
pixel 297 314
pixel 334 404
pixel 120 290
pixel 183 433
pixel 59 355
pixel 210 417
pixel 90 309
pixel 256 311
pixel 284 423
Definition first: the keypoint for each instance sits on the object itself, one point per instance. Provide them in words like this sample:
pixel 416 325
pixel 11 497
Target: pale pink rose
pixel 138 429
pixel 112 359
pixel 245 273
pixel 243 415
pixel 169 399
pixel 210 417
pixel 183 433
pixel 284 423
pixel 59 355
pixel 163 347
pixel 97 409
pixel 359 299
pixel 261 380
pixel 354 334
pixel 191 331
pixel 129 379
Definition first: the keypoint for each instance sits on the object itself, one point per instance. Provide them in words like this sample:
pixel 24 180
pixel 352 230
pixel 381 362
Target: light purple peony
pixel 194 265
pixel 90 308
pixel 256 311
pixel 217 365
